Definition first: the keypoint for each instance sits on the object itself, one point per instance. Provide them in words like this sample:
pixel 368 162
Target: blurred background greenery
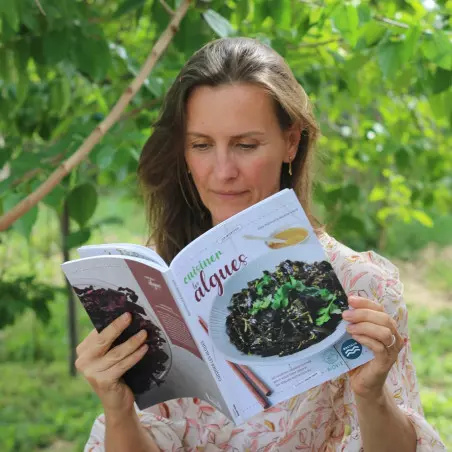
pixel 379 75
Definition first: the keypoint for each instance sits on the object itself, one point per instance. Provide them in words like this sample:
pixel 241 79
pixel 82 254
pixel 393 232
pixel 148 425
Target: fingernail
pixel 125 317
pixel 142 334
pixel 347 314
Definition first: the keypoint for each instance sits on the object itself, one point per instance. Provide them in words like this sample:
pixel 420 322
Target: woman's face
pixel 234 147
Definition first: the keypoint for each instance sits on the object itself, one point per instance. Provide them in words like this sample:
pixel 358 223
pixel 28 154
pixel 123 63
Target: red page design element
pixel 155 289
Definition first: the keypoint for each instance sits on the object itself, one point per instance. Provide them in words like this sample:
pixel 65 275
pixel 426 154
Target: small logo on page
pixel 351 349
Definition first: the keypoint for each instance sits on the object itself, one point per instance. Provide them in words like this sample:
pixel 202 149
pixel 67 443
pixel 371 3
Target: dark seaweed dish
pixel 286 311
pixel 105 305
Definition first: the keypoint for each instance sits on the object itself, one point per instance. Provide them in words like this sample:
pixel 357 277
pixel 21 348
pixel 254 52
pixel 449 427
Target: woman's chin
pixel 219 217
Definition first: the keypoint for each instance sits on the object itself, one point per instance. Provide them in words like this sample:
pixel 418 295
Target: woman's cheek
pixel 265 173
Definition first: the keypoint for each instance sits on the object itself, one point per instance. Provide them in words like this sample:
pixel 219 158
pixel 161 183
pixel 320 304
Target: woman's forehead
pixel 241 108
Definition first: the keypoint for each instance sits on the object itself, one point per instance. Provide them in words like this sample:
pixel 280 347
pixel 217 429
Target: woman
pixel 235 128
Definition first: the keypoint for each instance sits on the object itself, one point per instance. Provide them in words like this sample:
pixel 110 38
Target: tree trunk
pixel 72 313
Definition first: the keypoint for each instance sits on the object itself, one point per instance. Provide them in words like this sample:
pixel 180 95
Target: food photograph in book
pixel 284 306
pixel 104 305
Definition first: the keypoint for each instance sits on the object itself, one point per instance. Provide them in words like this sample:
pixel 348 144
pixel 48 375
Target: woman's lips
pixel 229 194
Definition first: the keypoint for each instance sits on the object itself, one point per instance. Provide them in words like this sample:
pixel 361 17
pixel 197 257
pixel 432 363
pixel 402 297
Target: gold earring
pixel 290 166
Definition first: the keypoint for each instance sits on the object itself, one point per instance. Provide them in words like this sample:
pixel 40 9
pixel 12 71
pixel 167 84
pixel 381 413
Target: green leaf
pixel 7 66
pixel 242 11
pixel 22 88
pixel 283 14
pixel 423 218
pixel 105 157
pixel 438 49
pixel 403 159
pixel 9 11
pixel 91 55
pixel 55 198
pixel 5 155
pixel 324 314
pixel 221 26
pixel 351 192
pixel 78 238
pixel 107 220
pixel 56 46
pixel 441 80
pixel 82 202
pixel 24 162
pixel 411 43
pixel 346 20
pixel 127 6
pixel 372 32
pixel 390 58
pixel 21 55
pixel 262 10
pixel 377 194
pixel 25 223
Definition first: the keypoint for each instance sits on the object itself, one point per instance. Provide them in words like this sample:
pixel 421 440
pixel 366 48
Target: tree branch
pixel 392 22
pixel 167 7
pixel 66 167
pixel 38 4
pixel 55 160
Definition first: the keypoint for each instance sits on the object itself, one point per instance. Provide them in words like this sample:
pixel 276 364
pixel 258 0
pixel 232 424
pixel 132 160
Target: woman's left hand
pixel 372 327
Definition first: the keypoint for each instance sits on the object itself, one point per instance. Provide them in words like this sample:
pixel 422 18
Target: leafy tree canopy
pixel 379 75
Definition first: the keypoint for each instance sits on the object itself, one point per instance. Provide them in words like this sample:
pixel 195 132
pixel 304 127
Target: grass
pixel 439 275
pixel 42 408
pixel 431 337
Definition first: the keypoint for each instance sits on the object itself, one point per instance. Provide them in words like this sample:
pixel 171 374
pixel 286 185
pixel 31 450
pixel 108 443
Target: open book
pixel 246 316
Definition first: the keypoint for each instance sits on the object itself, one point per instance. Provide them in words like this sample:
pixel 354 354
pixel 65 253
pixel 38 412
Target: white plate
pixel 237 282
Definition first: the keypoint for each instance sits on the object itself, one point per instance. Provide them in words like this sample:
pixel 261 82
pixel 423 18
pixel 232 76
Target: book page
pixel 264 298
pixel 172 368
pixel 123 249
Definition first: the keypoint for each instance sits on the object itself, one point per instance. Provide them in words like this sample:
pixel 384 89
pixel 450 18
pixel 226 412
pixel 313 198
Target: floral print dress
pixel 322 419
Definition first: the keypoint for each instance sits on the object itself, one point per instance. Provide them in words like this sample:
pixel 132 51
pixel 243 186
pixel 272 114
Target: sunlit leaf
pixel 346 20
pixel 377 194
pixel 438 49
pixel 423 218
pixel 221 26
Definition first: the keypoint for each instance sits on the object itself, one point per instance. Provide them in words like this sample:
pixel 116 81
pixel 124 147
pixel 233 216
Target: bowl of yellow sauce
pixel 292 236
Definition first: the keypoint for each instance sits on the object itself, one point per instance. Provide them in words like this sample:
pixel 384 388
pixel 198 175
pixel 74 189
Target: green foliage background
pixel 379 75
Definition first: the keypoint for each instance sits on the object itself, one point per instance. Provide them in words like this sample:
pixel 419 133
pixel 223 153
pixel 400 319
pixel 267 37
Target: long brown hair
pixel 175 212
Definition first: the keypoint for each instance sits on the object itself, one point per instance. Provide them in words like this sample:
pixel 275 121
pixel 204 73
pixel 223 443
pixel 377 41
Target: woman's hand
pixel 375 329
pixel 103 368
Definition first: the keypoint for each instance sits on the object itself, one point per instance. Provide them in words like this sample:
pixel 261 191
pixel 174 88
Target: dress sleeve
pixel 372 276
pixel 177 425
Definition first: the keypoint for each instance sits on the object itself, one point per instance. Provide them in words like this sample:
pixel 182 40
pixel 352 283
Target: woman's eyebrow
pixel 240 135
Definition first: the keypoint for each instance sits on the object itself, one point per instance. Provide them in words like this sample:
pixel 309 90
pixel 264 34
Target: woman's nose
pixel 225 166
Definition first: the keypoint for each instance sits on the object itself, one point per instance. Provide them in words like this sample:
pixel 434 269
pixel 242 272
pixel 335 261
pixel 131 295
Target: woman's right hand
pixel 103 368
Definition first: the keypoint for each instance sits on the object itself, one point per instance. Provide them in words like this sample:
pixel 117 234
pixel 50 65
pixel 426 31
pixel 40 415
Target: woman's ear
pixel 293 137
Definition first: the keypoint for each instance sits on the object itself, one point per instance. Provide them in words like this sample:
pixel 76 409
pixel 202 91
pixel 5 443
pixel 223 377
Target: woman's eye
pixel 247 146
pixel 200 146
